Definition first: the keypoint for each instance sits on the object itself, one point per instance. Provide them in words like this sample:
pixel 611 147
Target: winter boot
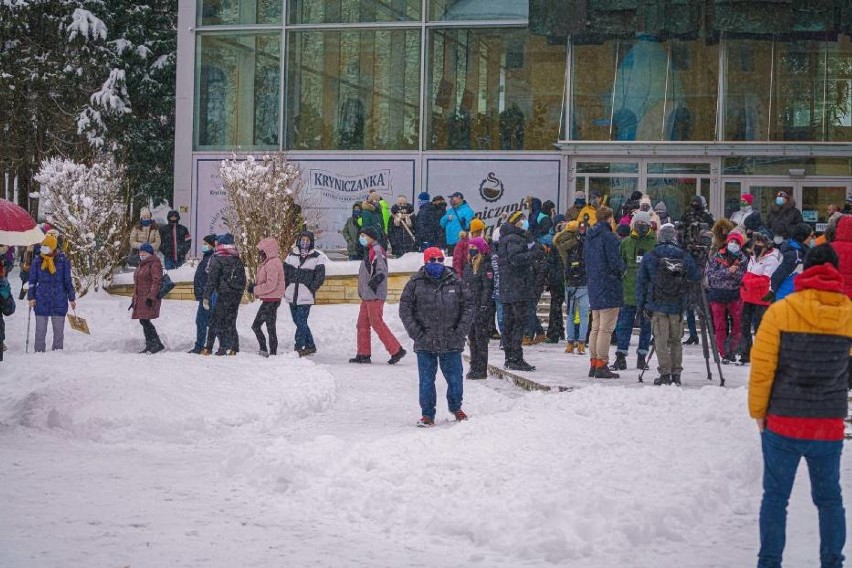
pixel 604 372
pixel 397 356
pixel 692 340
pixel 640 363
pixel 206 351
pixel 527 341
pixel 147 348
pixel 539 338
pixel 460 415
pixel 569 348
pixel 360 359
pixel 620 362
pixel 425 422
pixel 664 380
pixel 593 365
pixel 727 359
pixel 744 360
pixel 676 378
pixel 519 365
pixel 156 347
pixel 581 348
pixel 306 351
pixel 263 353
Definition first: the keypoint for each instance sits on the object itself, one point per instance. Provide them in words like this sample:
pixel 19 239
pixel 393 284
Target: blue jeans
pixel 202 318
pixel 533 326
pixel 500 319
pixel 169 264
pixel 451 367
pixel 624 330
pixel 577 298
pixel 781 457
pixel 690 322
pixel 304 337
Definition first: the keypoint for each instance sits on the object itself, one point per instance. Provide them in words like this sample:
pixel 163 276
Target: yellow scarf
pixel 47 263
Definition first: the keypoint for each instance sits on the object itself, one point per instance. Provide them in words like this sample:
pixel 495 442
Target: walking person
pixel 175 241
pixel 479 289
pixel 147 279
pixel 227 279
pixel 304 273
pixel 798 396
pixel 604 269
pixel 642 239
pixel 764 260
pixel 515 262
pixel 437 315
pixel 270 289
pixel 199 281
pixel 50 291
pixel 725 271
pixel 665 276
pixel 7 307
pixel 373 291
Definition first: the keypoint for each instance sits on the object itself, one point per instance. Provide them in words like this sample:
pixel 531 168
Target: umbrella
pixel 17 228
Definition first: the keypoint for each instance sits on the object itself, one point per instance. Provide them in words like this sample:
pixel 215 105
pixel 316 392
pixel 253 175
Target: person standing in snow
pixel 517 288
pixel 175 241
pixel 147 279
pixel 662 213
pixel 304 270
pixel 841 242
pixel 199 282
pixel 456 219
pixel 764 260
pixel 479 289
pixel 50 292
pixel 427 224
pixel 269 287
pixel 797 394
pixel 350 233
pixel 570 243
pixel 227 279
pixel 145 231
pixel 401 231
pixel 784 216
pixel 437 315
pixel 725 271
pixel 738 217
pixel 7 307
pixel 373 290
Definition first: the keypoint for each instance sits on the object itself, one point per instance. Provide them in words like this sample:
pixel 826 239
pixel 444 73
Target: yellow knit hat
pixel 477 225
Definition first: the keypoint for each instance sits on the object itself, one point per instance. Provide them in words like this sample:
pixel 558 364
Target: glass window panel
pixel 645 89
pixel 780 166
pixel 764 197
pixel 704 184
pixel 733 190
pixel 228 12
pixel 494 89
pixel 352 11
pixel 354 90
pixel 607 167
pixel 816 199
pixel 238 78
pixel 483 10
pixel 616 189
pixel 677 168
pixel 676 193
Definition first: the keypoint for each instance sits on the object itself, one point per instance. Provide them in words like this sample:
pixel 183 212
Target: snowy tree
pixel 264 199
pixel 89 208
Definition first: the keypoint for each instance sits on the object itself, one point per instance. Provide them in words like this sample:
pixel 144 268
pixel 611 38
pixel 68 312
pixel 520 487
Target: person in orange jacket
pixel 798 396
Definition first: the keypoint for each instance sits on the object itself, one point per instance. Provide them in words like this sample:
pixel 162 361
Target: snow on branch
pixel 87 25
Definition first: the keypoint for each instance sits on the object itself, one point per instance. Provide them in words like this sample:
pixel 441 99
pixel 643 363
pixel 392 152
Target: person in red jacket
pixel 764 260
pixel 842 245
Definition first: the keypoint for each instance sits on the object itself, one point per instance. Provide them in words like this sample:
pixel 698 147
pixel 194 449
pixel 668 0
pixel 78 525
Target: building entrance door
pixel 812 197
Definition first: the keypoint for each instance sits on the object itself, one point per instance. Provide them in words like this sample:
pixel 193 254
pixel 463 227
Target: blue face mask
pixel 434 269
pixel 579 202
pixel 363 240
pixel 146 222
pixel 473 252
pixel 525 225
pixel 779 201
pixel 206 248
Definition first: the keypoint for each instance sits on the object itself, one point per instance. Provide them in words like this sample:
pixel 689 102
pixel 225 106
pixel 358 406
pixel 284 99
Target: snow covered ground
pixel 110 458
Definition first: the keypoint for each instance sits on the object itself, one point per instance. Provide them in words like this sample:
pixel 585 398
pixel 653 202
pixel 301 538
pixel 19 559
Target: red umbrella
pixel 17 228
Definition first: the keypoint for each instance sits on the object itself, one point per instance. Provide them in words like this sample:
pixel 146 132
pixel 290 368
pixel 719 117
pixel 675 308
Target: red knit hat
pixel 432 252
pixel 747 197
pixel 735 236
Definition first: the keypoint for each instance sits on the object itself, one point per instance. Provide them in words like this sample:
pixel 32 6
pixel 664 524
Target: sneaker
pixel 230 352
pixel 581 348
pixel 569 348
pixel 728 359
pixel 360 359
pixel 396 357
pixel 604 372
pixel 519 365
pixel 263 353
pixel 425 422
pixel 620 362
pixel 691 340
pixel 460 415
pixel 665 380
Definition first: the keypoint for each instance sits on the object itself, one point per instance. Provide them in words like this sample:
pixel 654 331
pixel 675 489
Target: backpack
pixel 237 278
pixel 670 280
pixel 575 267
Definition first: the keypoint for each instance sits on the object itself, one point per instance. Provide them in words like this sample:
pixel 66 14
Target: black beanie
pixel 210 240
pixel 370 232
pixel 822 254
pixel 801 232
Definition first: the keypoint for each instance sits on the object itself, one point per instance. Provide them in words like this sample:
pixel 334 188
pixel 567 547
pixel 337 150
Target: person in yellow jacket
pixel 798 396
pixel 583 211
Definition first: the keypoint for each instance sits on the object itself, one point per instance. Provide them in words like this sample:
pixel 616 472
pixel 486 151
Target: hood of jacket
pixel 599 229
pixel 843 231
pixel 509 229
pixel 173 213
pixel 310 236
pixel 269 246
pixel 819 295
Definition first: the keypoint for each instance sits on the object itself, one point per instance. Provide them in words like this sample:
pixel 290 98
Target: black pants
pixel 555 327
pixel 223 323
pixel 751 317
pixel 515 317
pixel 480 333
pixel 267 314
pixel 152 339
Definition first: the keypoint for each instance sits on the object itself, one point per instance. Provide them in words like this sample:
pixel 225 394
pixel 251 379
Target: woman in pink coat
pixel 146 304
pixel 270 289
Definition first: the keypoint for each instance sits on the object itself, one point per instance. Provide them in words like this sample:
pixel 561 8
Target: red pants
pixel 720 323
pixel 371 315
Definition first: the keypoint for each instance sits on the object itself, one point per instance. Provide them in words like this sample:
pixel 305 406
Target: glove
pixel 205 304
pixel 5 289
pixel 769 297
pixel 149 302
pixel 251 288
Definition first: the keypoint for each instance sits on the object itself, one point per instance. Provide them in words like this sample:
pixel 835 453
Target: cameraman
pixel 693 228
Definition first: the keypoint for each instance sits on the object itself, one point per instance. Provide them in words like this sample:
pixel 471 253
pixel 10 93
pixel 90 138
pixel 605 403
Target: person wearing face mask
pixel 725 271
pixel 517 286
pixel 764 260
pixel 783 216
pixel 350 233
pixel 793 252
pixel 401 232
pixel 145 231
pixel 437 313
pixel 642 239
pixel 645 206
pixel 226 282
pixel 739 217
pixel 50 292
pixel 569 243
pixel 146 305
pixel 175 241
pixel 269 288
pixel 304 273
pixel 373 291
pixel 605 270
pixel 479 287
pixel 662 213
pixel 199 281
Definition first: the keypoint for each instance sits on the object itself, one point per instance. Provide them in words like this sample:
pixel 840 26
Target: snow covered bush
pixel 88 206
pixel 264 199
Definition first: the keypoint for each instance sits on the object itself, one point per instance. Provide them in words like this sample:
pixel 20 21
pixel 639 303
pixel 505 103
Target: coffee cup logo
pixel 491 188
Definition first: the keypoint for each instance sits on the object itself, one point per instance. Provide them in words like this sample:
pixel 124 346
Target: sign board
pixel 821 227
pixel 331 187
pixel 496 186
pixel 810 215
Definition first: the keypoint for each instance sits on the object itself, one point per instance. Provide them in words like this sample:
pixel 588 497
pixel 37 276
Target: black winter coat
pixel 222 278
pixel 515 262
pixel 435 312
pixel 7 308
pixel 782 219
pixel 401 241
pixel 604 267
pixel 199 281
pixel 427 226
pixel 479 288
pixel 690 224
pixel 171 235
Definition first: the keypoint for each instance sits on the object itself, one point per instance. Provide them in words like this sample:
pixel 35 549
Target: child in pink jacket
pixel 270 289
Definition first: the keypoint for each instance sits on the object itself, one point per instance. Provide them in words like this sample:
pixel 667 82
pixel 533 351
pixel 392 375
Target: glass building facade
pixel 671 97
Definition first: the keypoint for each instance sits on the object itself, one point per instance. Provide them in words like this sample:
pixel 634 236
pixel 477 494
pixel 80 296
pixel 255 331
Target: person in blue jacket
pixel 50 292
pixel 604 270
pixel 793 252
pixel 199 281
pixel 456 219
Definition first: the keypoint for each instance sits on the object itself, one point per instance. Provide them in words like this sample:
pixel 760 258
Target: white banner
pixel 498 185
pixel 331 187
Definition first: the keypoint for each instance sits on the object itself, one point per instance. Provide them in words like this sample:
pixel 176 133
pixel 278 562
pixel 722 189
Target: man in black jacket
pixel 427 223
pixel 515 263
pixel 227 279
pixel 199 282
pixel 175 241
pixel 437 316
